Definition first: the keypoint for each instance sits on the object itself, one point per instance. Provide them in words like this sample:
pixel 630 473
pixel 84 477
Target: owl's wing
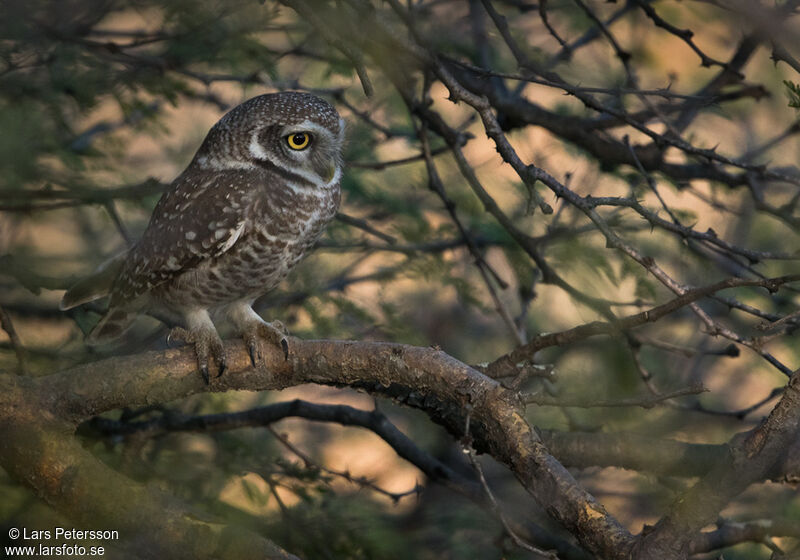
pixel 198 218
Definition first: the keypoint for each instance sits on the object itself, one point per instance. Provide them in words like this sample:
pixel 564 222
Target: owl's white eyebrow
pixel 256 149
pixel 306 126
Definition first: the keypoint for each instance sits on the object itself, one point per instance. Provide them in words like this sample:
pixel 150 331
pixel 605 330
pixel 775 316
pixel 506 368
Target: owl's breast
pixel 279 231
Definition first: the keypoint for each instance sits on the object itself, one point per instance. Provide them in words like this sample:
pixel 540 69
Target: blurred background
pixel 104 102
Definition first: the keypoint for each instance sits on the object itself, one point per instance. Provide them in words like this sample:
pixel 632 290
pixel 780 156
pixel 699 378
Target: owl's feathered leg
pixel 254 329
pixel 207 343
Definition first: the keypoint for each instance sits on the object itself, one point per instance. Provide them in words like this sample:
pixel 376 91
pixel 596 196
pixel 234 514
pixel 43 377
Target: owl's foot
pixel 273 333
pixel 206 343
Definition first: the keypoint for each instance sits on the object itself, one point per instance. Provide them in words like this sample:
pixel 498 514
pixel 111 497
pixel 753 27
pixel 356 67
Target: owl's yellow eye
pixel 299 140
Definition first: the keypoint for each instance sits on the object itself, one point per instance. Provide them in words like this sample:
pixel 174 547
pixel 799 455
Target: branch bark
pixel 424 378
pixel 748 461
pixel 38 448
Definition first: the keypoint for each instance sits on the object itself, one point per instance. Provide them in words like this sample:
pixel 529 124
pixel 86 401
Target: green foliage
pixel 793 93
pixel 54 74
pixel 85 83
pixel 334 527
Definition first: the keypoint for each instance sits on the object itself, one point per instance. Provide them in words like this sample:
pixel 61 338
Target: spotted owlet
pixel 255 198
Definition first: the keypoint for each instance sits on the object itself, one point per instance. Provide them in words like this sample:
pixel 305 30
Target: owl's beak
pixel 331 171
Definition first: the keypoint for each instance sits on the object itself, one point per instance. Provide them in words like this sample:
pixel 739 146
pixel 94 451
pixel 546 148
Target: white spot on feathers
pixel 233 238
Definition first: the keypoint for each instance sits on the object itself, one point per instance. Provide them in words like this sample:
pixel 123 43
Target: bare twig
pixel 365 226
pixel 584 331
pixel 645 401
pixel 361 481
pixel 495 506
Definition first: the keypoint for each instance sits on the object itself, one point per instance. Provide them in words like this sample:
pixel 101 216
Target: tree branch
pixel 373 420
pixel 425 378
pixel 747 462
pixel 39 450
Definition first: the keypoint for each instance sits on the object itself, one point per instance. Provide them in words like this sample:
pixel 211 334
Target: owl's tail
pixel 95 286
pixel 111 326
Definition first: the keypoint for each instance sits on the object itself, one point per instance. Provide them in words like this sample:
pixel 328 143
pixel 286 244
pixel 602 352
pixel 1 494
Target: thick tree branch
pixel 422 377
pixel 748 461
pixel 373 420
pixel 38 448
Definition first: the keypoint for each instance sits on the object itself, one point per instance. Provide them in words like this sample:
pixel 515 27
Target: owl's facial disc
pixel 312 148
pixel 308 149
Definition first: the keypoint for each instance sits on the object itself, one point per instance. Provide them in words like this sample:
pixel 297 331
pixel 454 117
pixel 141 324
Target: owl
pixel 254 199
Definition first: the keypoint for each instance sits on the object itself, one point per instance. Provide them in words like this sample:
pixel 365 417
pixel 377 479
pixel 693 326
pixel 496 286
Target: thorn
pixel 732 350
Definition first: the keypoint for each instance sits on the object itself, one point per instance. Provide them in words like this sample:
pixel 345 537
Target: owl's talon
pixel 273 333
pixel 178 334
pixel 223 366
pixel 254 355
pixel 206 343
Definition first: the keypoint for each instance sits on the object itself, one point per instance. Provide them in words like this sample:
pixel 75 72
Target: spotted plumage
pixel 255 198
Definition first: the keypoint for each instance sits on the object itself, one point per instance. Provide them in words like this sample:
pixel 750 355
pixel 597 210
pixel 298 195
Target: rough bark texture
pixel 749 461
pixel 38 448
pixel 424 377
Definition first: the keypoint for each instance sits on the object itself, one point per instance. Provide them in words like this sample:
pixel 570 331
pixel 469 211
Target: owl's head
pixel 290 133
